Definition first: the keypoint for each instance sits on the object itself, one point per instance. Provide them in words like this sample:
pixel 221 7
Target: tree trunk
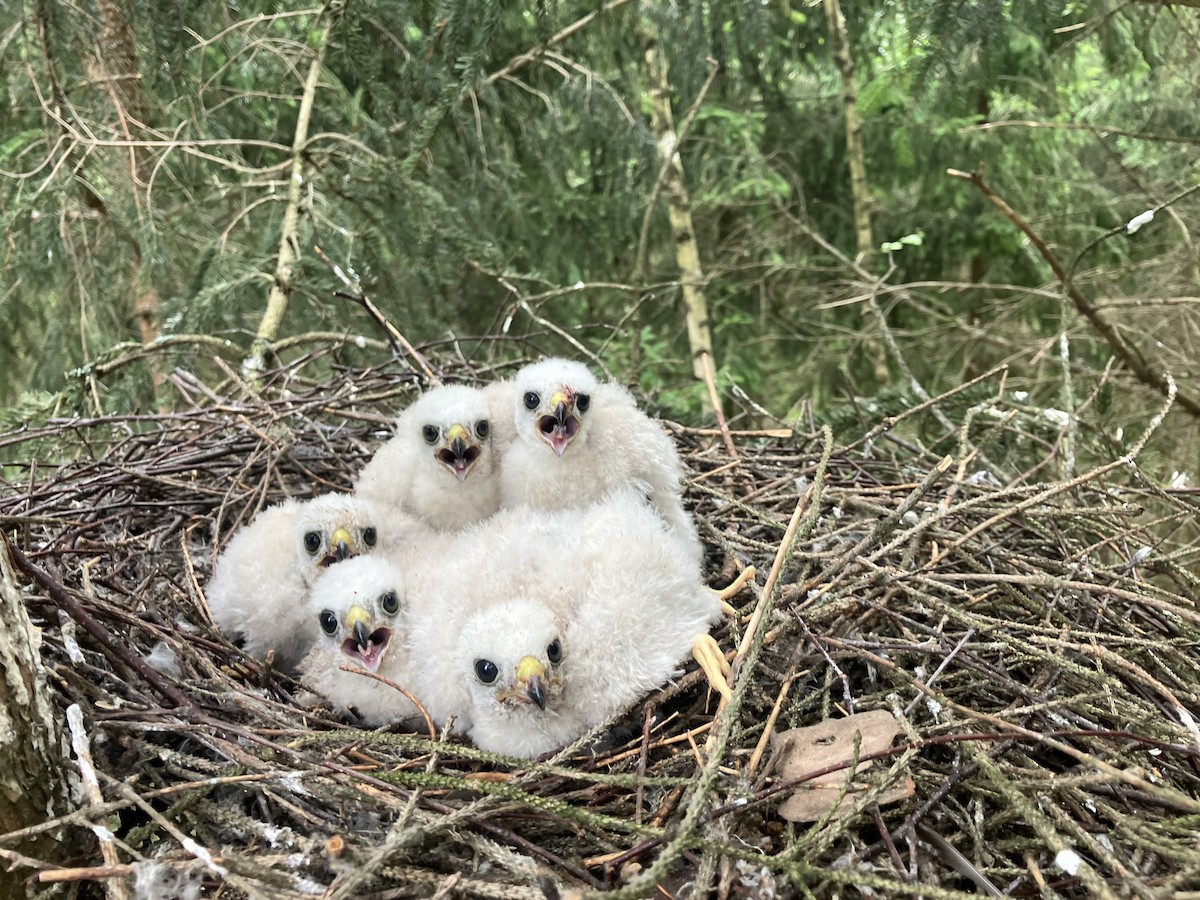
pixel 289 240
pixel 34 780
pixel 687 253
pixel 119 76
pixel 859 188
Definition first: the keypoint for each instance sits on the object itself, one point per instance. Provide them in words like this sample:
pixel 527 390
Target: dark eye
pixel 312 541
pixel 431 433
pixel 370 537
pixel 532 400
pixel 486 671
pixel 390 603
pixel 328 621
pixel 582 402
pixel 481 428
pixel 554 652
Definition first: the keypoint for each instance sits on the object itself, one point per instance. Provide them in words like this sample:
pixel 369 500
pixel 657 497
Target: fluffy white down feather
pixel 422 472
pixel 620 591
pixel 260 582
pixel 599 442
pixel 369 590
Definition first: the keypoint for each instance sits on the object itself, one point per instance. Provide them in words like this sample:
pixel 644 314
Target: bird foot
pixel 744 577
pixel 707 652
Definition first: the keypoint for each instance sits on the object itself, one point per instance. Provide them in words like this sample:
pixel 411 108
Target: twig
pixel 354 292
pixel 64 601
pixel 432 729
pixel 519 62
pixel 710 380
pixel 1158 380
pixel 91 792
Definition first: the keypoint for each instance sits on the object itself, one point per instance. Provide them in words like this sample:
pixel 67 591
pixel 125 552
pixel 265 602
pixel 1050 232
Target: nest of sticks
pixel 1035 640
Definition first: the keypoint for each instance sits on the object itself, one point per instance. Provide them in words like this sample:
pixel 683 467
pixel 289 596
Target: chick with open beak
pixel 337 529
pixel 263 577
pixel 360 609
pixel 561 424
pixel 367 643
pixel 456 448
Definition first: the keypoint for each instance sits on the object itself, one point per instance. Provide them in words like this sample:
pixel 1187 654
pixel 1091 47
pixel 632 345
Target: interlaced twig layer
pixel 1042 661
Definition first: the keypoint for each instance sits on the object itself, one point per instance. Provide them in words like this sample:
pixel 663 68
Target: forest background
pixel 169 170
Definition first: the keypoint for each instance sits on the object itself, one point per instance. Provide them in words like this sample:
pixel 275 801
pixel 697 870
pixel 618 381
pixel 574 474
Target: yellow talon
pixel 707 652
pixel 744 577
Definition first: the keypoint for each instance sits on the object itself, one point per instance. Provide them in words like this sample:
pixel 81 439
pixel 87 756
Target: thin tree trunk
pixel 289 239
pixel 34 783
pixel 859 187
pixel 687 253
pixel 120 77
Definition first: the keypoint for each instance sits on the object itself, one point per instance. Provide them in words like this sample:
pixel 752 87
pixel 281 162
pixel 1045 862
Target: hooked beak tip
pixel 536 691
pixel 362 634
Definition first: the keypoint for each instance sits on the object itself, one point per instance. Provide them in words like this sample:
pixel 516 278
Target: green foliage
pixel 457 163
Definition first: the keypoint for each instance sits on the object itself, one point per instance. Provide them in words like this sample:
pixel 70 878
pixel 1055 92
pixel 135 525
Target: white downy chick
pixel 576 439
pixel 440 466
pixel 358 617
pixel 260 582
pixel 583 610
pixel 510 655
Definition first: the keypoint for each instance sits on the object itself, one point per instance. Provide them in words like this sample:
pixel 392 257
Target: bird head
pixel 452 422
pixel 335 527
pixel 513 656
pixel 357 606
pixel 553 400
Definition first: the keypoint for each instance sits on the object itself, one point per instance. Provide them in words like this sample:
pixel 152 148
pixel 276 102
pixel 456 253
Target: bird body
pixel 576 439
pixel 440 466
pixel 579 613
pixel 260 581
pixel 357 617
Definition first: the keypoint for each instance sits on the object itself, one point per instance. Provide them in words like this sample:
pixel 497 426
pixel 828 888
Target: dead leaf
pixel 802 750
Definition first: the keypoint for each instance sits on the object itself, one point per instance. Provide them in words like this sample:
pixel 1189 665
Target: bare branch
pixel 1158 380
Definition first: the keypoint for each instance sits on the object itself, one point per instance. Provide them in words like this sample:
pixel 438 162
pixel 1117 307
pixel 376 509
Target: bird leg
pixel 744 577
pixel 707 652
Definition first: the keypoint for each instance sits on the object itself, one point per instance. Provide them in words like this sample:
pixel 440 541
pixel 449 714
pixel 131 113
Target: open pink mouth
pixel 558 433
pixel 371 654
pixel 459 464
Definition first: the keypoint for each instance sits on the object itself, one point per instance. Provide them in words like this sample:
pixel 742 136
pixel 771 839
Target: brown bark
pixel 34 783
pixel 859 187
pixel 117 73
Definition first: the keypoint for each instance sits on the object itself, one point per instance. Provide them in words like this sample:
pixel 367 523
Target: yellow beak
pixel 341 544
pixel 359 621
pixel 531 675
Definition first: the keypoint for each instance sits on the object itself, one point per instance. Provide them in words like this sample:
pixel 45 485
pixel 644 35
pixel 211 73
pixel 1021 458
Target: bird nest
pixel 1034 641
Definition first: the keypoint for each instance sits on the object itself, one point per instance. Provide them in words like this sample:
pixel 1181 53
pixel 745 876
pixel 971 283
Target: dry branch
pixel 1156 379
pixel 1036 659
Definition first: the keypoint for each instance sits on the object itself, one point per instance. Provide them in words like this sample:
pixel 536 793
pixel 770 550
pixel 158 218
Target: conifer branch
pixel 1157 379
pixel 524 59
pixel 396 339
